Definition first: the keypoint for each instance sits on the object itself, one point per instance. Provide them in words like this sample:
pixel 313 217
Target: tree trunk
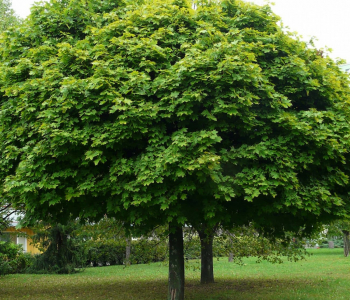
pixel 207 271
pixel 127 251
pixel 176 286
pixel 346 242
pixel 230 257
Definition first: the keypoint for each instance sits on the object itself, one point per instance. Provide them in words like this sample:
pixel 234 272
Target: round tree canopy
pixel 153 111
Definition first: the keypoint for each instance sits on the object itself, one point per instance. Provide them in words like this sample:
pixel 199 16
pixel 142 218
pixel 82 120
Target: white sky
pixel 328 20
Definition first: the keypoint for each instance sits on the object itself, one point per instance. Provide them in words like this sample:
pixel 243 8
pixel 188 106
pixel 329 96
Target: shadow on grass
pixel 243 289
pixel 229 289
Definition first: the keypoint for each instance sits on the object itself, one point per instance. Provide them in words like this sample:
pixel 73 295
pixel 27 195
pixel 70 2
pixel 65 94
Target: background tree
pixel 155 113
pixel 61 248
pixel 341 228
pixel 8 17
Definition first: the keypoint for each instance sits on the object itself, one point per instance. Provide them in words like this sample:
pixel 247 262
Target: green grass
pixel 324 275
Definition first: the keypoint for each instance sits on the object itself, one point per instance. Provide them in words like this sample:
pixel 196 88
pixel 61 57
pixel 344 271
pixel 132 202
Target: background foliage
pixel 12 259
pixel 62 249
pixel 8 17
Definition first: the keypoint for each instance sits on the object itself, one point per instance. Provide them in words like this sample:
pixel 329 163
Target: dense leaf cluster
pixel 155 112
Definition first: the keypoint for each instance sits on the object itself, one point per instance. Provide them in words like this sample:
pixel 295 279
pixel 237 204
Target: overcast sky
pixel 328 20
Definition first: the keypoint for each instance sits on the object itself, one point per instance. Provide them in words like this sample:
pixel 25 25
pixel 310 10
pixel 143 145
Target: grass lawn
pixel 324 275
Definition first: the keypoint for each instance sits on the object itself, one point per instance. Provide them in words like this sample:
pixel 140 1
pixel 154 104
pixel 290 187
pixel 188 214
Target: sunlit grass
pixel 324 275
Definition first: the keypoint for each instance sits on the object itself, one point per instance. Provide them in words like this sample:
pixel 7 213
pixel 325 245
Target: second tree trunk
pixel 346 242
pixel 128 251
pixel 207 270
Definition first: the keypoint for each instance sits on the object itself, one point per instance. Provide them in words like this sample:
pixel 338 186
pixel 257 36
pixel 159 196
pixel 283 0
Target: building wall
pixel 29 247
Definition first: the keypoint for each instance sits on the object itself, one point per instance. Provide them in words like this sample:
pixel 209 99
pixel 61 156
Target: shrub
pixel 112 252
pixel 192 247
pixel 12 259
pixel 145 251
pixel 102 252
pixel 338 243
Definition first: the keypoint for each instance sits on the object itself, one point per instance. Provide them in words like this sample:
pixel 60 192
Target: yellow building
pixel 20 237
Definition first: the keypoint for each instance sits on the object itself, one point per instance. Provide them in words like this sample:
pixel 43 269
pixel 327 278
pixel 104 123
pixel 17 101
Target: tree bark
pixel 127 251
pixel 346 242
pixel 230 257
pixel 207 270
pixel 176 286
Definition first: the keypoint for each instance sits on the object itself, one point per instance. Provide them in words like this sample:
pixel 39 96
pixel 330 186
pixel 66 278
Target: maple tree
pixel 155 113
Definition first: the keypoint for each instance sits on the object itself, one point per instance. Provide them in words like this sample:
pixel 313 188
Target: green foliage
pixel 103 252
pixel 192 248
pixel 336 228
pixel 105 229
pixel 4 212
pixel 62 250
pixel 12 259
pixel 148 250
pixel 338 243
pixel 8 17
pixel 110 252
pixel 245 242
pixel 154 112
pixel 338 231
pixel 66 247
pixel 109 249
pixel 106 241
pixel 8 214
pixel 10 250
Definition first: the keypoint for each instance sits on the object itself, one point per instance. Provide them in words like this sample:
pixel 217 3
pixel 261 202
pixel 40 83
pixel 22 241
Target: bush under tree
pixel 12 258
